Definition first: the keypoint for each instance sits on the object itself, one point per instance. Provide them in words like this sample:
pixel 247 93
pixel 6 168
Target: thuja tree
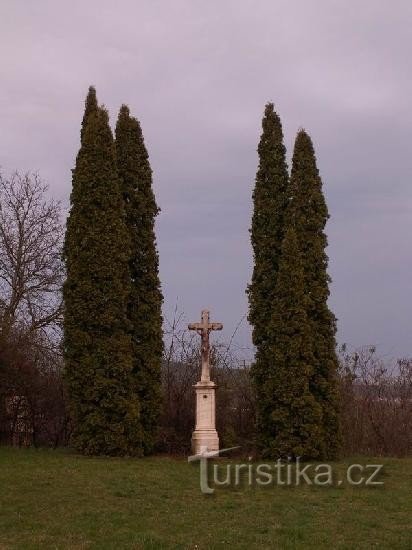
pixel 290 417
pixel 145 297
pixel 270 197
pixel 308 213
pixel 97 348
pixel 90 106
pixel 268 221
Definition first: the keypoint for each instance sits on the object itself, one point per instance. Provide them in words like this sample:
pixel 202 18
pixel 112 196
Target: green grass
pixel 54 499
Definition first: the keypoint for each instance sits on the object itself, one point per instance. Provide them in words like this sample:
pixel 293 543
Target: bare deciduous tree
pixel 31 274
pixel 31 270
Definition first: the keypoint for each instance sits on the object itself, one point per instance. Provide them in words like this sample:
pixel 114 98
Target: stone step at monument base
pixel 204 438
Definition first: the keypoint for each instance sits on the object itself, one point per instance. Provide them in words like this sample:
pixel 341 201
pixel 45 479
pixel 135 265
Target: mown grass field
pixel 54 499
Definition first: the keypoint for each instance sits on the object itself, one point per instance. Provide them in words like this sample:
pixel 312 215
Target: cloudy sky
pixel 197 75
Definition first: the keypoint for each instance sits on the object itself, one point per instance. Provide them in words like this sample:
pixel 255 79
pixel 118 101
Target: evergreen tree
pixel 145 298
pixel 97 346
pixel 308 213
pixel 89 107
pixel 270 198
pixel 289 415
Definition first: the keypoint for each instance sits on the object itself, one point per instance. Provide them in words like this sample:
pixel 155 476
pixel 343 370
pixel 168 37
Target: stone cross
pixel 205 435
pixel 203 328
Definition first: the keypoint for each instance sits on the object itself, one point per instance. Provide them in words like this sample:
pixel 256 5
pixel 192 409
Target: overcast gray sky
pixel 197 75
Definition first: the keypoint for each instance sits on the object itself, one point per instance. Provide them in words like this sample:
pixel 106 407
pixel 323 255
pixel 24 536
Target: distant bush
pixel 376 403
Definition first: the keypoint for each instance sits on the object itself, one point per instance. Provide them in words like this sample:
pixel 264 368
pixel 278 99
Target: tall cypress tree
pixel 270 198
pixel 145 298
pixel 89 107
pixel 308 213
pixel 290 417
pixel 97 346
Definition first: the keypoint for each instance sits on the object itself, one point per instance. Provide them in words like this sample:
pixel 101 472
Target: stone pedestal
pixel 205 434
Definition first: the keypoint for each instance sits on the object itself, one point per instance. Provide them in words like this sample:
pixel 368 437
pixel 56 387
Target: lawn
pixel 55 499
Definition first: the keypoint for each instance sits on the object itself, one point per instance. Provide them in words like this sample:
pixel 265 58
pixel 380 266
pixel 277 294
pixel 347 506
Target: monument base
pixel 204 439
pixel 205 434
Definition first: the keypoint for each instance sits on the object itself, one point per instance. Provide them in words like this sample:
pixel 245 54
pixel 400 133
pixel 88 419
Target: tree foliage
pixel 90 106
pixel 267 232
pixel 97 346
pixel 293 328
pixel 308 213
pixel 290 417
pixel 145 297
pixel 270 199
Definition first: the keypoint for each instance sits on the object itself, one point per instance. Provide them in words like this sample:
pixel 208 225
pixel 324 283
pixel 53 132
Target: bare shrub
pixel 376 403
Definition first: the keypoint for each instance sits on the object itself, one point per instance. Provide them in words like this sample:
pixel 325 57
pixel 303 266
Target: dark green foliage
pixel 289 415
pixel 308 213
pixel 97 346
pixel 89 107
pixel 293 329
pixel 270 200
pixel 145 298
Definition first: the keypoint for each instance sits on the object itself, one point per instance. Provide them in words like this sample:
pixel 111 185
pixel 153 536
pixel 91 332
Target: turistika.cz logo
pixel 280 473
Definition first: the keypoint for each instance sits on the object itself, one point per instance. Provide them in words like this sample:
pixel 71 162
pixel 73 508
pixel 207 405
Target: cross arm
pixel 195 326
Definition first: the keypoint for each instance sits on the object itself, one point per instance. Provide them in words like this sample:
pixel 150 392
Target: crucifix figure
pixel 205 435
pixel 203 328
